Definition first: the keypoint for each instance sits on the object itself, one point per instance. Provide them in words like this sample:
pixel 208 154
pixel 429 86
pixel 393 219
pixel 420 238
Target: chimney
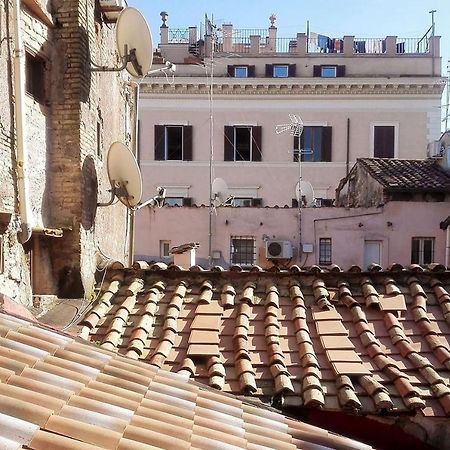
pixel 184 255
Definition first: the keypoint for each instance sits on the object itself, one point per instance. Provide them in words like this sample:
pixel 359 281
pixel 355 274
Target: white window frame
pixel 421 241
pixel 164 245
pixel 244 68
pixel 250 127
pixel 323 69
pixel 280 66
pixel 396 126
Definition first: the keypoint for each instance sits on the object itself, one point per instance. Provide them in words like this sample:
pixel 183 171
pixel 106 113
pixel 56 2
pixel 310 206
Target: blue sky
pixel 361 18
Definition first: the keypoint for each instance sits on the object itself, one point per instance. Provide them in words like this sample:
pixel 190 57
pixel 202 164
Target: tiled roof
pixel 368 342
pixel 58 392
pixel 408 174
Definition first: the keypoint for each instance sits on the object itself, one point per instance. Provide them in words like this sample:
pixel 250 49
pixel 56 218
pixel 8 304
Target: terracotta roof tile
pixel 294 333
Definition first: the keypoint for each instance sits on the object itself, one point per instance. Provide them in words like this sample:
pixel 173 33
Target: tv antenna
pixel 134 45
pixel 295 128
pixel 303 189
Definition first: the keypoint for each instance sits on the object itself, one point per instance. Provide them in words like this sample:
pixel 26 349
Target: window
pixel 242 143
pixel 280 70
pixel 324 251
pixel 422 250
pixel 164 249
pixel 173 201
pixel 35 77
pixel 243 250
pixel 241 71
pixel 315 144
pixel 246 202
pixel 173 142
pixel 329 71
pixel 384 141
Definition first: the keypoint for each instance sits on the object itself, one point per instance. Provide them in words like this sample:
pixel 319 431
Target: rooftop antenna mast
pixel 295 128
pixel 210 39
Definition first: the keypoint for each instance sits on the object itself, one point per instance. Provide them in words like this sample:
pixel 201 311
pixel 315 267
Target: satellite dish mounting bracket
pixel 129 57
pixel 117 189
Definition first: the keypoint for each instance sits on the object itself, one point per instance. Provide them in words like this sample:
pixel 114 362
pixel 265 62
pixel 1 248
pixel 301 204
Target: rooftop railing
pixel 266 41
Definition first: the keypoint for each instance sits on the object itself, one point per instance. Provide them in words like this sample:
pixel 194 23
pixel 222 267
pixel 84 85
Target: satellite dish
pixel 134 42
pixel 124 176
pixel 306 191
pixel 220 191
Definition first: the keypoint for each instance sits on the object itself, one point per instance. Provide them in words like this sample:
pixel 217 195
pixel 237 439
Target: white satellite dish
pixel 134 42
pixel 124 176
pixel 305 190
pixel 219 191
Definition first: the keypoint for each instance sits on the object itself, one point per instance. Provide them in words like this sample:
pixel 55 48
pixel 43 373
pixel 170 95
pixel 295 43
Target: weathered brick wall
pixel 86 99
pixel 67 166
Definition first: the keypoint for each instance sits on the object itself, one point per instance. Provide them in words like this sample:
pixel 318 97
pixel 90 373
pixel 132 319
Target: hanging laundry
pixel 323 43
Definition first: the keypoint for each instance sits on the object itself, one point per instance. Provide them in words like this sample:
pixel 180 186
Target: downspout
pixel 447 247
pixel 21 137
pixel 347 159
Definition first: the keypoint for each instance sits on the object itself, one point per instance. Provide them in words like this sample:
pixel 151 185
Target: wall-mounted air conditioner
pixel 435 149
pixel 276 249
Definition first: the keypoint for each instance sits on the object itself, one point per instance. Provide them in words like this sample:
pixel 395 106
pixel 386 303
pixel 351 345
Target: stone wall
pixel 69 134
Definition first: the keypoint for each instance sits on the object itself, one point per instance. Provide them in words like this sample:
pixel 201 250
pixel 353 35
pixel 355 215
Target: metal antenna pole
pixel 447 100
pixel 432 21
pixel 300 201
pixel 211 153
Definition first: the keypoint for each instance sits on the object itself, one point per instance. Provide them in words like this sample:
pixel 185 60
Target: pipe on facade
pixel 347 159
pixel 447 247
pixel 25 212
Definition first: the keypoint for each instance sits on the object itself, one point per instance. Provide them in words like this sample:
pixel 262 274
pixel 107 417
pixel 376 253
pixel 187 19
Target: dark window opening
pixel 315 144
pixel 324 251
pixel 242 143
pixel 384 141
pixel 35 77
pixel 243 250
pixel 173 142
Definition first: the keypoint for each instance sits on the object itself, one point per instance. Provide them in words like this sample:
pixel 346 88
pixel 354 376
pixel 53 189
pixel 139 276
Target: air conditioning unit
pixel 435 149
pixel 276 249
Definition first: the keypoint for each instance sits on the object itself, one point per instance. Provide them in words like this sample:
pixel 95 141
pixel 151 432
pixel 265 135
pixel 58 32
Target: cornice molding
pixel 255 89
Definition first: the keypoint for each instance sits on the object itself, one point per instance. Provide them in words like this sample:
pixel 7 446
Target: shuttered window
pixel 315 144
pixel 384 141
pixel 242 143
pixel 328 71
pixel 173 142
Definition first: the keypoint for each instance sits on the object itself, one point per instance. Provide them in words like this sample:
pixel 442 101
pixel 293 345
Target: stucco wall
pixel 393 225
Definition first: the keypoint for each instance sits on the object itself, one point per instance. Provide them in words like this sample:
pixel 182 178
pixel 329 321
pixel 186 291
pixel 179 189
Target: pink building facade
pixel 356 98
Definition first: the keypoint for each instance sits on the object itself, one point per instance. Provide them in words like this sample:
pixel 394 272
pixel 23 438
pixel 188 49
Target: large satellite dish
pixel 124 176
pixel 219 191
pixel 304 190
pixel 134 42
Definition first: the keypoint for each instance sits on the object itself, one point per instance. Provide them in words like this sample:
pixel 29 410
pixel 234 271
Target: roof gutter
pixel 21 137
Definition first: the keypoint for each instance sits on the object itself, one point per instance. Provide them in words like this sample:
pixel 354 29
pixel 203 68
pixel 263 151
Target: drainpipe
pixel 347 159
pixel 447 247
pixel 21 137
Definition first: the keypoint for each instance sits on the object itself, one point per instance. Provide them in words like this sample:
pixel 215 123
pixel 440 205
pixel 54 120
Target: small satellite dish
pixel 305 190
pixel 134 42
pixel 220 191
pixel 124 176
